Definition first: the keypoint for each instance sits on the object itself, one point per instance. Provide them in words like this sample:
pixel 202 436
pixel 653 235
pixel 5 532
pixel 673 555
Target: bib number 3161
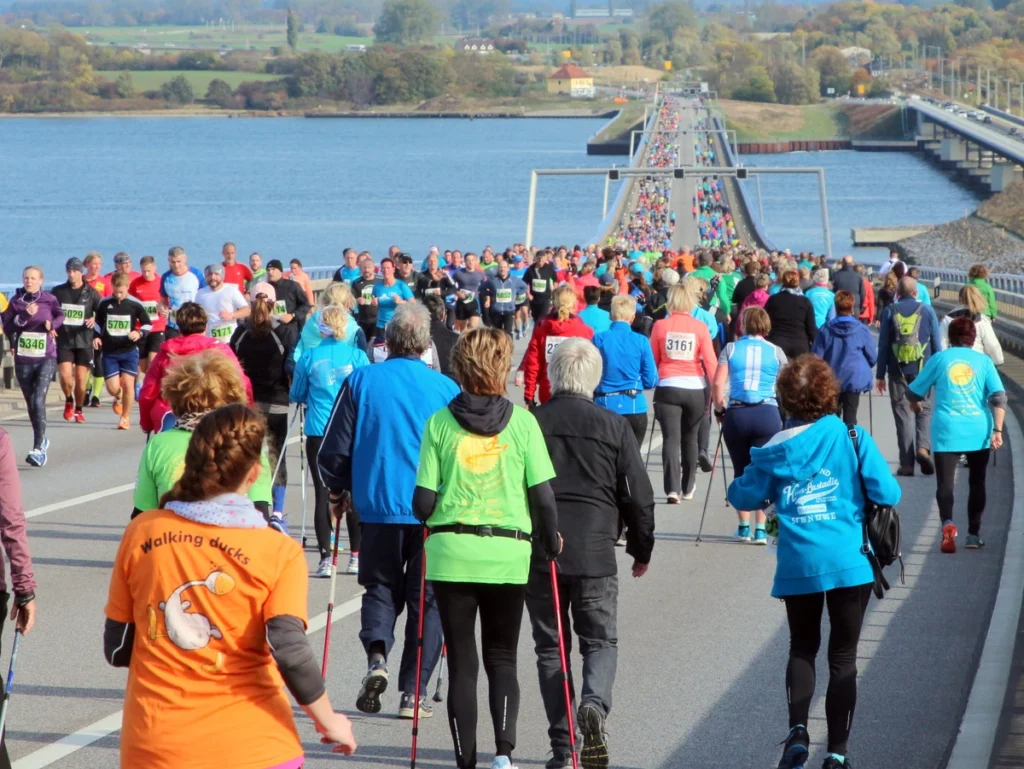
pixel 680 345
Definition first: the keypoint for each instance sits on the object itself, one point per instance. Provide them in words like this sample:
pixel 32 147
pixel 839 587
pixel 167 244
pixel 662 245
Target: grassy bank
pixel 830 120
pixel 151 80
pixel 1006 209
pixel 248 37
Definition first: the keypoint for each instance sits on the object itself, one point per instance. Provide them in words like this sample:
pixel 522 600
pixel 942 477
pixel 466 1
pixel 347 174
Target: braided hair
pixel 224 447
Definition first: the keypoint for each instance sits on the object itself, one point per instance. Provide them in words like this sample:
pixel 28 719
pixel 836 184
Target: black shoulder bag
pixel 881 532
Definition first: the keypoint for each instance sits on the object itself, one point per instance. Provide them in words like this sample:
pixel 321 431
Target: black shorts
pixel 538 311
pixel 80 356
pixel 151 344
pixel 171 333
pixel 466 310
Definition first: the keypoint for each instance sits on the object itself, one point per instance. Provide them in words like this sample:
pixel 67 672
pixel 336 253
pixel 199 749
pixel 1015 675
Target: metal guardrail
pixel 754 226
pixel 1002 114
pixel 1009 289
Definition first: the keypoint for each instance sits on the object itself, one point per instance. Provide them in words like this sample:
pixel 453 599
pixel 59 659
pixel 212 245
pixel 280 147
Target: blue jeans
pixel 34 380
pixel 390 563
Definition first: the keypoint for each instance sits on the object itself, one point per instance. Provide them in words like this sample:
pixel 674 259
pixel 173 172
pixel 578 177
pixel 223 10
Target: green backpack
pixel 906 344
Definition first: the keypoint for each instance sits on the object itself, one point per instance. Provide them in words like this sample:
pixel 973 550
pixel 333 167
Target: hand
pixel 227 315
pixel 48 326
pixel 997 440
pixel 32 309
pixel 135 336
pixel 880 386
pixel 337 729
pixel 639 569
pixel 53 333
pixel 519 379
pixel 341 506
pixel 97 343
pixel 90 322
pixel 286 318
pixel 916 407
pixel 558 550
pixel 25 615
pixel 163 312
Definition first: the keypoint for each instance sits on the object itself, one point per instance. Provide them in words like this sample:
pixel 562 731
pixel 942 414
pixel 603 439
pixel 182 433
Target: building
pixel 856 55
pixel 572 80
pixel 475 45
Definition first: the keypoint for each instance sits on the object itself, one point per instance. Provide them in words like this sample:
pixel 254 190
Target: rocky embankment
pixel 960 244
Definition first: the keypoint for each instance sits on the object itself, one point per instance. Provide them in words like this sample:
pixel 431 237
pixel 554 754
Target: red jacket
pixel 152 407
pixel 869 301
pixel 535 362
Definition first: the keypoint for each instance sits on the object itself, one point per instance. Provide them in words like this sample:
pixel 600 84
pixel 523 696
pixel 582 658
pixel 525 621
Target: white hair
pixel 670 277
pixel 575 368
pixel 623 307
pixel 408 333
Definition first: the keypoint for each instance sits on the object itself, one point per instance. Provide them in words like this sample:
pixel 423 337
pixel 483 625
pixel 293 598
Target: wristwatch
pixel 21 599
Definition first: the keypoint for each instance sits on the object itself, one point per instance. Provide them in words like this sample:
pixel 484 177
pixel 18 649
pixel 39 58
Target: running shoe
pixel 36 458
pixel 742 533
pixel 324 570
pixel 503 762
pixel 906 472
pixel 760 537
pixel 45 445
pixel 116 406
pixel 353 564
pixel 689 494
pixel 517 335
pixel 832 762
pixel 124 423
pixel 79 417
pixel 374 685
pixel 974 542
pixel 594 753
pixel 948 538
pixel 794 755
pixel 673 498
pixel 704 460
pixel 94 402
pixel 559 761
pixel 405 707
pixel 69 410
pixel 278 523
pixel 924 459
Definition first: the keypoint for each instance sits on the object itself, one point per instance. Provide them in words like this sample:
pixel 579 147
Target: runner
pixel 299 275
pixel 367 416
pixel 972 305
pixel 31 322
pixel 335 295
pixel 388 294
pixel 792 316
pixel 745 403
pixel 468 280
pixel 970 405
pixel 481 516
pixel 178 285
pixel 406 274
pixel 560 325
pixel 598 319
pixel 442 337
pixel 120 324
pixel 434 280
pixel 977 276
pixel 223 302
pixel 820 562
pixel 349 270
pixel 319 376
pixel 366 309
pixel 236 274
pixel 822 299
pixel 849 348
pixel 599 479
pixel 291 306
pixel 518 270
pixel 146 290
pixel 122 263
pixel 179 660
pixel 498 293
pixel 259 275
pixel 686 364
pixel 95 279
pixel 74 339
pixel 195 384
pixel 265 351
pixel 628 368
pixel 540 281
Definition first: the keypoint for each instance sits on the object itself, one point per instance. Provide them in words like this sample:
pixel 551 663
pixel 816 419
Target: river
pixel 308 188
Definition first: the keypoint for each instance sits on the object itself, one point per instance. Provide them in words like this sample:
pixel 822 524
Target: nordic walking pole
pixel 10 681
pixel 871 415
pixel 565 664
pixel 707 496
pixel 419 648
pixel 330 601
pixel 725 480
pixel 303 468
pixel 440 674
pixel 650 443
pixel 284 446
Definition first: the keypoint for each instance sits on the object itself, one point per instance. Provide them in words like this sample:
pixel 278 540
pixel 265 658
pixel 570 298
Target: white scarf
pixel 229 511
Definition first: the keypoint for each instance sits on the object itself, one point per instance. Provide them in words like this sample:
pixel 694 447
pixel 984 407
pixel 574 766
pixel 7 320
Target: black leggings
pixel 322 506
pixel 34 380
pixel 638 423
pixel 848 404
pixel 679 413
pixel 945 474
pixel 501 614
pixel 846 607
pixel 277 433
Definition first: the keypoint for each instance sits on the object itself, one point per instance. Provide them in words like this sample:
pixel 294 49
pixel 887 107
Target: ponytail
pixel 260 320
pixel 563 301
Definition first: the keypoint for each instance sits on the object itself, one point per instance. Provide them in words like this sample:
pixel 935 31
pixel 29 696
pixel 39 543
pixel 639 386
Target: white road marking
pixel 95 732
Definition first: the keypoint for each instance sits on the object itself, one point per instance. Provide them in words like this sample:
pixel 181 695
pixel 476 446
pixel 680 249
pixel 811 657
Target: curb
pixel 976 737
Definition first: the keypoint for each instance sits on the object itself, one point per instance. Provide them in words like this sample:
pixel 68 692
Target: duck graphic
pixel 191 631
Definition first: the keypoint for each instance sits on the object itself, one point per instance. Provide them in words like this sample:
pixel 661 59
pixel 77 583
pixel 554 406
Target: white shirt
pixel 883 271
pixel 228 298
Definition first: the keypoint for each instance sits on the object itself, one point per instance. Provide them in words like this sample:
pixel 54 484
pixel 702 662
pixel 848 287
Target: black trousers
pixel 501 615
pixel 945 474
pixel 679 413
pixel 639 424
pixel 322 506
pixel 848 404
pixel 503 320
pixel 846 607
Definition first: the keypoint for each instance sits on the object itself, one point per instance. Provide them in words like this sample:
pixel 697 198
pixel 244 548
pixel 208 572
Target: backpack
pixel 906 330
pixel 882 532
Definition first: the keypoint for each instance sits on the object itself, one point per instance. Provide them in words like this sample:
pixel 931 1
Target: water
pixel 864 189
pixel 285 187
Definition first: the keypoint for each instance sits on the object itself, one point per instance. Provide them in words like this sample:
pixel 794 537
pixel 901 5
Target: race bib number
pixel 433 291
pixel 152 309
pixel 680 345
pixel 520 298
pixel 223 333
pixel 551 343
pixel 280 308
pixel 367 293
pixel 539 286
pixel 117 326
pixel 503 295
pixel 32 344
pixel 380 353
pixel 74 314
pixel 469 298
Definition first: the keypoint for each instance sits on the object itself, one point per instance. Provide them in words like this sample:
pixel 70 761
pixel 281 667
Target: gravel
pixel 960 244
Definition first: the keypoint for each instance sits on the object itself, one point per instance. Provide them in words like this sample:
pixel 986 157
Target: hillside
pixel 1006 209
pixel 757 121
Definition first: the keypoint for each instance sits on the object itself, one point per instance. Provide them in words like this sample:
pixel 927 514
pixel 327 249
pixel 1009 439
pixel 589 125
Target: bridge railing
pixel 1009 289
pixel 741 204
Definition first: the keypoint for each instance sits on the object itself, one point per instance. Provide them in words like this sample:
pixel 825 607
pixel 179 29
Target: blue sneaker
pixel 278 523
pixel 502 762
pixel 794 756
pixel 36 458
pixel 45 445
pixel 760 537
pixel 742 533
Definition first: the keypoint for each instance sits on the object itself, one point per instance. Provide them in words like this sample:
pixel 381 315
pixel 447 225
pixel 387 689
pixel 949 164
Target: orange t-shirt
pixel 203 689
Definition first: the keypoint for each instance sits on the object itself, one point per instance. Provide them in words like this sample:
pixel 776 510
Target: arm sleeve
pixel 119 597
pixel 361 339
pixel 990 344
pixel 531 363
pixel 944 332
pixel 286 638
pixel 300 382
pixel 809 326
pixel 882 487
pixel 648 368
pixel 335 459
pixel 544 514
pixel 752 490
pixel 933 330
pixel 101 319
pixel 883 342
pixel 707 353
pixel 12 520
pixel 145 322
pixel 118 640
pixel 58 314
pixel 657 345
pixel 870 350
pixel 145 484
pixel 423 502
pixel 994 386
pixel 635 498
pixel 301 305
pixel 818 348
pixel 428 474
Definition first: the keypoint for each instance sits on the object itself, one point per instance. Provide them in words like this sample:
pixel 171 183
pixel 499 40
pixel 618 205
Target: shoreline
pixel 483 114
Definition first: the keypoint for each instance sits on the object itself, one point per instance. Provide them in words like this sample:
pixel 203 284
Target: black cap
pixel 407 258
pixel 275 264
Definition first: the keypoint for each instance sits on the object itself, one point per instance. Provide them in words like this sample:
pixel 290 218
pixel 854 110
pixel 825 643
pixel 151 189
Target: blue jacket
pixel 310 336
pixel 810 474
pixel 319 375
pixel 824 303
pixel 372 441
pixel 928 335
pixel 849 348
pixel 628 365
pixel 598 319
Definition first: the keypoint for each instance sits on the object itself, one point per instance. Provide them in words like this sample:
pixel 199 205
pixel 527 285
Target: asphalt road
pixel 684 190
pixel 702 645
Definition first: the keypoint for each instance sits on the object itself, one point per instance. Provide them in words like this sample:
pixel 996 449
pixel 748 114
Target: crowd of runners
pixel 523 507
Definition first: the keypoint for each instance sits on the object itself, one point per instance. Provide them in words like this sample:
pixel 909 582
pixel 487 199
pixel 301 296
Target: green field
pixel 253 36
pixel 151 80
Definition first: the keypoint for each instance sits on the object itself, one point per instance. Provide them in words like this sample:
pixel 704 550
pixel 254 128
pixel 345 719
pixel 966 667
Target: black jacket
pixel 792 317
pixel 599 476
pixel 848 279
pixel 73 334
pixel 294 297
pixel 267 361
pixel 444 340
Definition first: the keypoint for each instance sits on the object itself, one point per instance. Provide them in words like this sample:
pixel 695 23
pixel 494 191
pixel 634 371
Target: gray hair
pixel 575 368
pixel 173 251
pixel 408 333
pixel 907 287
pixel 669 277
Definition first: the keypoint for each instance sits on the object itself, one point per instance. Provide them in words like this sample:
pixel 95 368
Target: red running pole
pixel 565 664
pixel 419 648
pixel 330 603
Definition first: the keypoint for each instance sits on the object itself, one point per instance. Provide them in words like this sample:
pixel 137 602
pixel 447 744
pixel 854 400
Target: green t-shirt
pixel 163 462
pixel 481 481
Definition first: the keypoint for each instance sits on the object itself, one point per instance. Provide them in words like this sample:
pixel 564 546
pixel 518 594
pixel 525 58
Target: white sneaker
pixel 689 494
pixel 502 762
pixel 673 498
pixel 324 570
pixel 353 564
